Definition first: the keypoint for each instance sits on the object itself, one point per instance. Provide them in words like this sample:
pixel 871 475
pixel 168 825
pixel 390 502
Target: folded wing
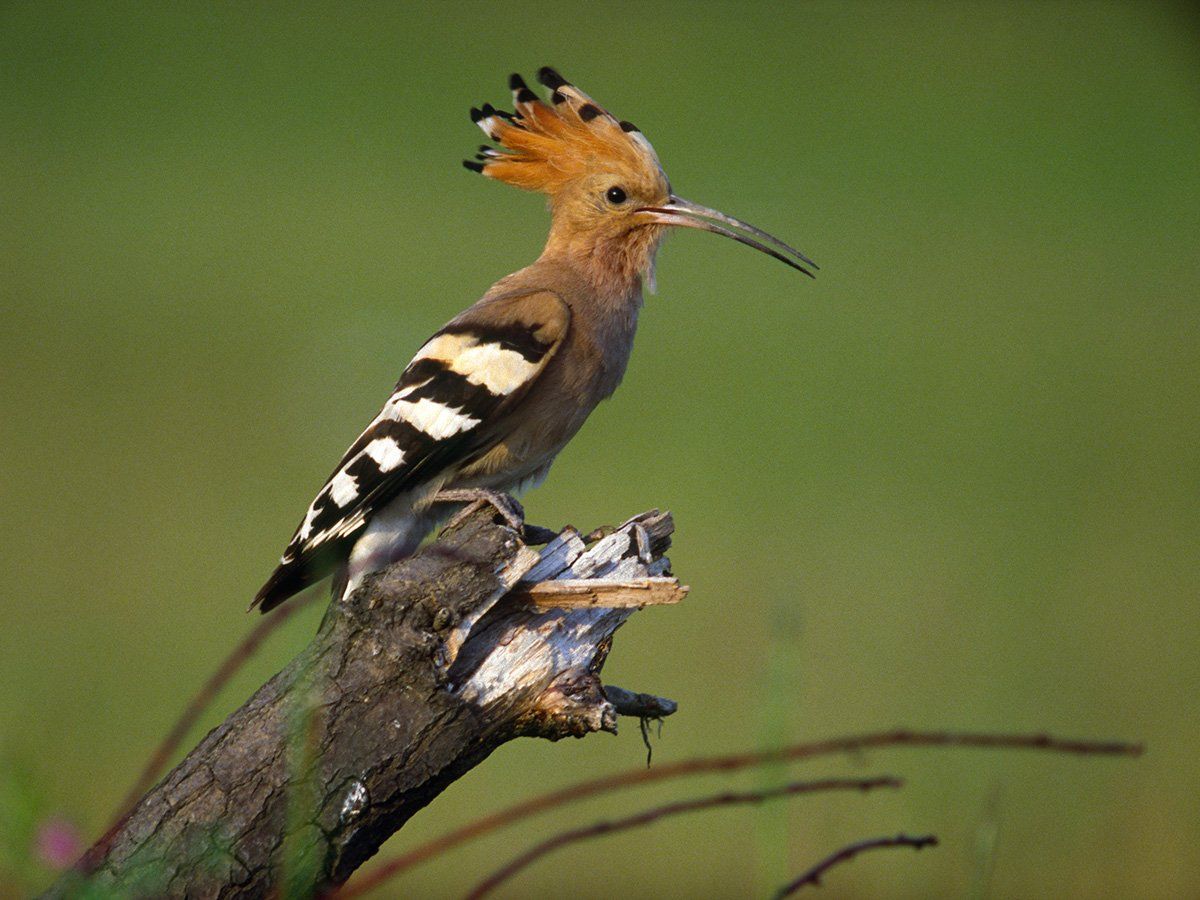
pixel 447 407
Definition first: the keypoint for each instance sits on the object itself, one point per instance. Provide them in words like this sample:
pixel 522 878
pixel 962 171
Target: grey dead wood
pixel 408 684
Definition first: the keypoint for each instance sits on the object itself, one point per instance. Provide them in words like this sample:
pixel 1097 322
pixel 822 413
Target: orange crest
pixel 550 145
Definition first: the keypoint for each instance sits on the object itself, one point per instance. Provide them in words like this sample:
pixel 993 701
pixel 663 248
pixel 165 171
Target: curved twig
pixel 650 816
pixel 725 763
pixel 847 853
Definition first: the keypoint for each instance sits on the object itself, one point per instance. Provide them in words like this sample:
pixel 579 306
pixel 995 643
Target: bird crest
pixel 547 146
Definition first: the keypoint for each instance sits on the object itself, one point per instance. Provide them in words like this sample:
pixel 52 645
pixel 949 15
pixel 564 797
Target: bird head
pixel 610 199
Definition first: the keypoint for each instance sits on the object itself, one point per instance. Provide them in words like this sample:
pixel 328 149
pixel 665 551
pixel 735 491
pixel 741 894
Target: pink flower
pixel 58 843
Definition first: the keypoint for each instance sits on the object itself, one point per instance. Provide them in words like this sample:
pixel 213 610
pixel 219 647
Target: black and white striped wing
pixel 447 406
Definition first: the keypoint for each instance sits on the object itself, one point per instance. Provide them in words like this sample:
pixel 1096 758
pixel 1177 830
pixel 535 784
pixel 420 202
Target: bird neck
pixel 612 264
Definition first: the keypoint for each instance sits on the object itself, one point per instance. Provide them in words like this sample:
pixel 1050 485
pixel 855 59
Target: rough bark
pixel 409 683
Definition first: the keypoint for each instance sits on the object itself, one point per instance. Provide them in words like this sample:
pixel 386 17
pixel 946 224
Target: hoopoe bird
pixel 490 400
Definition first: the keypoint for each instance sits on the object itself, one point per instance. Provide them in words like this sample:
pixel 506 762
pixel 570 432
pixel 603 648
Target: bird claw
pixel 476 498
pixel 506 505
pixel 536 535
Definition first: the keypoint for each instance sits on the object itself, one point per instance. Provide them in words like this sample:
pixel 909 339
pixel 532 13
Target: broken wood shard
pixel 561 616
pixel 571 593
pixel 641 706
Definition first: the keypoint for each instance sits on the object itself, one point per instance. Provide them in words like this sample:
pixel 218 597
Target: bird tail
pixel 286 580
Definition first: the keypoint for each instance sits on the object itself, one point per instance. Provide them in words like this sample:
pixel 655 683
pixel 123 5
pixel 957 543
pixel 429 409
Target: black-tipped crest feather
pixel 550 78
pixel 564 140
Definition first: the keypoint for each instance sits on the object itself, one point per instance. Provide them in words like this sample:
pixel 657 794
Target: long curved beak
pixel 686 214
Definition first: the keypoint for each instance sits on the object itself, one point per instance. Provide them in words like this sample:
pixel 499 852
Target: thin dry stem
pixel 813 876
pixel 725 763
pixel 650 816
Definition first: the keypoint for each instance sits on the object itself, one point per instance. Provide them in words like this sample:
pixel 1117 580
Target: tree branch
pixel 191 713
pixel 409 683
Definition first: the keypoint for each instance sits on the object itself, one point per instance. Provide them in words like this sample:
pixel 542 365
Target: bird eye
pixel 615 195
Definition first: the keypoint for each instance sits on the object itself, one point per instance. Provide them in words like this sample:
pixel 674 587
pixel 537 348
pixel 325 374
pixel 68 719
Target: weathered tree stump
pixel 409 683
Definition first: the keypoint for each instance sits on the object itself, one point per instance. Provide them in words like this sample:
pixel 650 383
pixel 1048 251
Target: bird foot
pixel 506 505
pixel 536 535
pixel 476 498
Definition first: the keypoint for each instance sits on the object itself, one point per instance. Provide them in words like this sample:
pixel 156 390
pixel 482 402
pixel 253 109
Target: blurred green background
pixel 951 483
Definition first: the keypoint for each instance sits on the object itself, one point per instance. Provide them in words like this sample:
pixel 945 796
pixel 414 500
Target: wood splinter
pixel 575 593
